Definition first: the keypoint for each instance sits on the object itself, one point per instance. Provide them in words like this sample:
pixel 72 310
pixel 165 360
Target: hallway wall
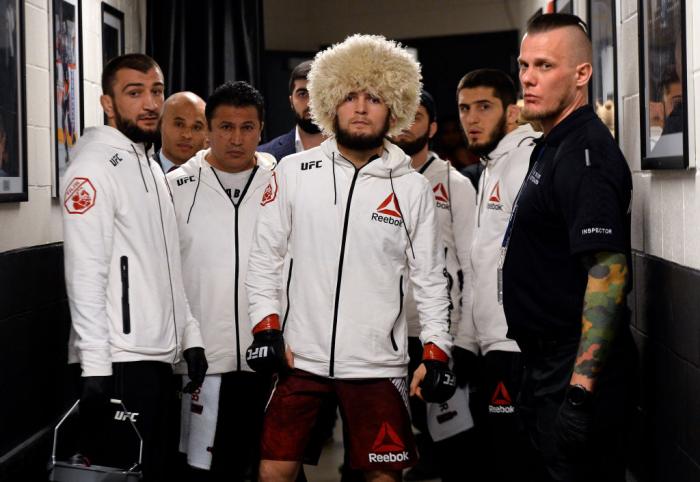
pixel 38 221
pixel 665 234
pixel 34 317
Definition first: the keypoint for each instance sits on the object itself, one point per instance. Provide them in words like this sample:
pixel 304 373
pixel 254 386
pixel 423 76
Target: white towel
pixel 200 411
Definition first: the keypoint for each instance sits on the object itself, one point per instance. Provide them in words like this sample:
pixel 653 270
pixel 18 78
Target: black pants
pixel 497 425
pixel 236 451
pixel 548 369
pixel 107 438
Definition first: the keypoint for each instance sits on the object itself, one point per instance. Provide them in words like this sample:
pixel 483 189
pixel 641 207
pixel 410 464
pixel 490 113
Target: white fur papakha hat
pixel 368 63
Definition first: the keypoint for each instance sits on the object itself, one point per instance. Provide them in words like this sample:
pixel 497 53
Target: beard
pixel 415 146
pixel 495 137
pixel 360 142
pixel 133 131
pixel 545 114
pixel 306 125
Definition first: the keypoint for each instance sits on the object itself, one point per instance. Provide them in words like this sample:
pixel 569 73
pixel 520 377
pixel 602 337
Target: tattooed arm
pixel 605 295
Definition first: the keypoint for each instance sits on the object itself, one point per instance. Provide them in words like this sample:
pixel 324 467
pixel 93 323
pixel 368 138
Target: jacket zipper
pixel 481 202
pixel 331 368
pixel 289 283
pixel 165 243
pixel 237 260
pixel 126 317
pixel 391 335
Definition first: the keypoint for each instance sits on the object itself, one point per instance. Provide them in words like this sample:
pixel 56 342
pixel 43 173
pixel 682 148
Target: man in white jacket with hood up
pixel 217 199
pixel 488 113
pixel 130 317
pixel 359 224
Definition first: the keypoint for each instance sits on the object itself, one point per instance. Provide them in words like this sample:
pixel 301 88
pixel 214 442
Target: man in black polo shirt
pixel 566 267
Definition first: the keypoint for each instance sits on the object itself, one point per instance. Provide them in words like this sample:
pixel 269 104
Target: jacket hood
pixel 393 161
pixel 513 140
pixel 106 135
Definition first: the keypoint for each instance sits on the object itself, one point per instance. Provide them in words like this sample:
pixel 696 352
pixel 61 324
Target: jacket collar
pixel 264 162
pixel 570 123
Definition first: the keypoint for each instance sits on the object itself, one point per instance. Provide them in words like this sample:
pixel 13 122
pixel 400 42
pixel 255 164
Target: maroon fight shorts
pixel 374 413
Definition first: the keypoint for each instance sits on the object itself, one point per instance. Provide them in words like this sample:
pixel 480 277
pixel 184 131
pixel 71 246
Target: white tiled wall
pixel 38 221
pixel 666 205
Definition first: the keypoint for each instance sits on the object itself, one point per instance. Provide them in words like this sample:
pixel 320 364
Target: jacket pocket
pixel 391 334
pixel 289 284
pixel 126 317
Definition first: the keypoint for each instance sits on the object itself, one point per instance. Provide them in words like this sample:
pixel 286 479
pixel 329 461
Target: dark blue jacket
pixel 280 146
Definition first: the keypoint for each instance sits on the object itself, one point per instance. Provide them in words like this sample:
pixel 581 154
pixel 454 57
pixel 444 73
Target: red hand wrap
pixel 270 322
pixel 432 352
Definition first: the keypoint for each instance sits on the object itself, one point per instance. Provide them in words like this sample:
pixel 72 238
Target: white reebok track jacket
pixel 506 167
pixel 216 235
pixel 355 237
pixel 455 203
pixel 122 257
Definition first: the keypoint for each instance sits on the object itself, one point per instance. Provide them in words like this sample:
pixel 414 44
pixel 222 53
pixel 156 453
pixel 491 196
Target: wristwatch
pixel 577 396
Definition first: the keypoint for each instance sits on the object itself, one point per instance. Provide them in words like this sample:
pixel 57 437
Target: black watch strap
pixel 578 396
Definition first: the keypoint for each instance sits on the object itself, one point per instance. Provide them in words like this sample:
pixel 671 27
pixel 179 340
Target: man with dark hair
pixel 488 113
pixel 130 316
pixel 454 199
pixel 567 265
pixel 358 224
pixel 217 198
pixel 183 130
pixel 305 134
pixel 503 90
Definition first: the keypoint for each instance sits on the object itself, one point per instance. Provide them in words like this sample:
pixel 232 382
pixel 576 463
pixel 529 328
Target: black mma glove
pixel 574 422
pixel 439 383
pixel 266 354
pixel 465 365
pixel 196 368
pixel 96 391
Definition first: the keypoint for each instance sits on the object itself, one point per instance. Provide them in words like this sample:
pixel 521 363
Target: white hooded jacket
pixel 355 238
pixel 122 257
pixel 216 235
pixel 506 167
pixel 455 202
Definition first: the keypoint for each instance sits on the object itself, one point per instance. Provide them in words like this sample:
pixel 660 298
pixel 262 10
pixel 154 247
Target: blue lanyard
pixel 511 219
pixel 509 230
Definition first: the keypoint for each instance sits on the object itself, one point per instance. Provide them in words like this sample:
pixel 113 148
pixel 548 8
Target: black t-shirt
pixel 575 200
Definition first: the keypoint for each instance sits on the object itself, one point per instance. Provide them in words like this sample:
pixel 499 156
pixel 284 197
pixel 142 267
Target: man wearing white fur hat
pixel 359 225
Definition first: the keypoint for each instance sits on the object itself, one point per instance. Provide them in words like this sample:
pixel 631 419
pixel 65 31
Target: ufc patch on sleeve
pixel 80 196
pixel 270 193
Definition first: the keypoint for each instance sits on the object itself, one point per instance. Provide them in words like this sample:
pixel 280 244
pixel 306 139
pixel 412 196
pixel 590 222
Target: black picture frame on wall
pixel 67 54
pixel 663 85
pixel 602 89
pixel 113 43
pixel 565 6
pixel 13 109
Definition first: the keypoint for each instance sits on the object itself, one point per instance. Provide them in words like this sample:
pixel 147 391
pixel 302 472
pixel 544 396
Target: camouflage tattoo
pixel 605 295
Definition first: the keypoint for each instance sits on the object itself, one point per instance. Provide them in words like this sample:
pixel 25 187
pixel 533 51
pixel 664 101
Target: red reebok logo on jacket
pixel 495 195
pixel 392 210
pixel 441 193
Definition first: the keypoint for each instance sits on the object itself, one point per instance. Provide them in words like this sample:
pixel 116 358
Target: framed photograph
pixel 663 84
pixel 603 90
pixel 565 6
pixel 68 81
pixel 112 33
pixel 13 133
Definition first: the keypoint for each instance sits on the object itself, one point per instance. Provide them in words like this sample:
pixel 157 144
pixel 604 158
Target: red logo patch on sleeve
pixel 80 196
pixel 270 193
